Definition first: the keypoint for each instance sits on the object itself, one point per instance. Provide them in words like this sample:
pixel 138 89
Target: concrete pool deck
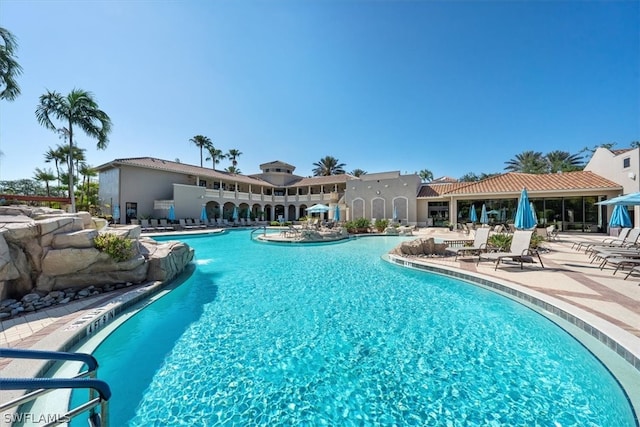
pixel 568 279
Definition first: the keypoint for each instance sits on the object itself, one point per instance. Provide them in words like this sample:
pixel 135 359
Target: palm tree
pixel 201 142
pixel 45 176
pixel 78 108
pixel 527 162
pixel 328 166
pixel 232 169
pixel 233 155
pixel 87 173
pixel 358 172
pixel 9 67
pixel 215 155
pixel 562 161
pixel 426 175
pixel 57 156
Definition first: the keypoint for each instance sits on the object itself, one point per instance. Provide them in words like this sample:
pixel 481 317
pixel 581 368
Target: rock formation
pixel 420 247
pixel 45 251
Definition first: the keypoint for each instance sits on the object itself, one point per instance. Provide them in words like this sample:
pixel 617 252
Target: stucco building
pixel 148 187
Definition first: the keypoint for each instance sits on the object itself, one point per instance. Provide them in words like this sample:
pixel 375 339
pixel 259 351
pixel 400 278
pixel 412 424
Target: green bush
pixel 381 225
pixel 501 242
pixel 118 248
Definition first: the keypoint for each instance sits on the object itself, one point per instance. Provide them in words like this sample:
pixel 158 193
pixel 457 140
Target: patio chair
pixel 145 227
pixel 622 235
pixel 518 251
pixel 156 225
pixel 165 224
pixel 479 243
pixel 630 239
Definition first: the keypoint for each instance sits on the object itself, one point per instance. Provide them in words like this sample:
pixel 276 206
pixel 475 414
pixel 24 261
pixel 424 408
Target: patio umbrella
pixel 533 212
pixel 172 213
pixel 632 199
pixel 319 208
pixel 484 217
pixel 116 212
pixel 473 216
pixel 203 213
pixel 234 215
pixel 620 217
pixel 248 218
pixel 336 214
pixel 395 213
pixel 524 217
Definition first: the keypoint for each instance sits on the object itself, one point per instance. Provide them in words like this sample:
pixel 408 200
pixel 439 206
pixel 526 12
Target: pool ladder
pixel 99 391
pixel 263 229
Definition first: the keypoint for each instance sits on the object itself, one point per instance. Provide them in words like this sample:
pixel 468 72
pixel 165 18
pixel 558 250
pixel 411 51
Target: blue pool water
pixel 264 334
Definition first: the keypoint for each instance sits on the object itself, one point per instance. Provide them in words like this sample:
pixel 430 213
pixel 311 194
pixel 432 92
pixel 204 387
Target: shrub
pixel 501 242
pixel 118 248
pixel 381 224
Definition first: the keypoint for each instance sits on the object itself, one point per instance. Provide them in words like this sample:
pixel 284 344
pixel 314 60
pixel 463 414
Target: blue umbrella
pixel 395 213
pixel 116 212
pixel 632 199
pixel 248 214
pixel 234 216
pixel 533 212
pixel 336 215
pixel 620 217
pixel 203 214
pixel 524 216
pixel 484 218
pixel 172 213
pixel 473 216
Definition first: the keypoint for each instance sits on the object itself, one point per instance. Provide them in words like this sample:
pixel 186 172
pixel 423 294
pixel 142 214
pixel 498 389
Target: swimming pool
pixel 332 335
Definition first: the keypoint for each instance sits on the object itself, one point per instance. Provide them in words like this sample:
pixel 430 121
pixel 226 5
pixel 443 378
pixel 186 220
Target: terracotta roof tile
pixel 438 189
pixel 513 182
pixel 169 166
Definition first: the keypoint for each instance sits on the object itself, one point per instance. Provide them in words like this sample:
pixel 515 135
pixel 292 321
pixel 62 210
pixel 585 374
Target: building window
pixel 202 183
pixel 626 162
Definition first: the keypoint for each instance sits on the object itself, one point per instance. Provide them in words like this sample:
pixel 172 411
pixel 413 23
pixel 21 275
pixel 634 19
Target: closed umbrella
pixel 248 215
pixel 336 214
pixel 234 215
pixel 620 217
pixel 484 217
pixel 524 216
pixel 533 212
pixel 172 213
pixel 473 216
pixel 116 212
pixel 395 214
pixel 203 214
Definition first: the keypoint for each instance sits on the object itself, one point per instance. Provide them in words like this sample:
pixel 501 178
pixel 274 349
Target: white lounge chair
pixel 479 243
pixel 518 251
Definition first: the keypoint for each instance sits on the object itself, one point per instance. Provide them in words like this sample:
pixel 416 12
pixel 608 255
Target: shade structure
pixel 336 214
pixel 473 216
pixel 319 208
pixel 234 215
pixel 620 217
pixel 203 213
pixel 484 217
pixel 524 216
pixel 632 199
pixel 171 216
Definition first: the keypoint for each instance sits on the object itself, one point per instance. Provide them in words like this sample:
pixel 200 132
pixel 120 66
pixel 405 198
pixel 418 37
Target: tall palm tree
pixel 78 108
pixel 328 166
pixel 233 155
pixel 563 161
pixel 426 175
pixel 215 155
pixel 358 172
pixel 527 162
pixel 232 169
pixel 45 176
pixel 201 142
pixel 87 173
pixel 9 67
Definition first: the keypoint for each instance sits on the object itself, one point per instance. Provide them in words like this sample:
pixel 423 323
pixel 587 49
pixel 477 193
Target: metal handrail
pixel 263 228
pixel 41 386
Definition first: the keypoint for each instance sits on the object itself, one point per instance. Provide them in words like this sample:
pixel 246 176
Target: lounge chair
pixel 185 226
pixel 622 235
pixel 518 251
pixel 145 227
pixel 479 243
pixel 156 225
pixel 630 239
pixel 165 224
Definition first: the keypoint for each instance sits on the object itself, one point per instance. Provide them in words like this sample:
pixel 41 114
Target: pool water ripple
pixel 335 336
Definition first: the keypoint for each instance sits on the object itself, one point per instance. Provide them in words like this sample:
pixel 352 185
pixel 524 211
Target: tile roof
pixel 438 189
pixel 169 166
pixel 620 151
pixel 514 182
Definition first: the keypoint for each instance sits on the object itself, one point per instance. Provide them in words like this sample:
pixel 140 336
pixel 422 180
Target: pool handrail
pixel 41 386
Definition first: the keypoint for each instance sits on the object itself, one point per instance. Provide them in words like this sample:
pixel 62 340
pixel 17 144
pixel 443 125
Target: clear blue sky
pixel 449 86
